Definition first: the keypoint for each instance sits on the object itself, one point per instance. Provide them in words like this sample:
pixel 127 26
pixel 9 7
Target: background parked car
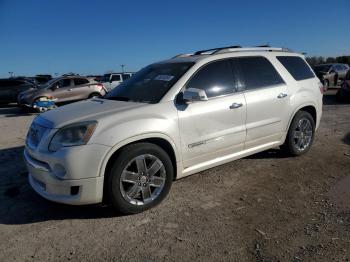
pixel 63 89
pixel 330 74
pixel 112 80
pixel 344 92
pixel 10 88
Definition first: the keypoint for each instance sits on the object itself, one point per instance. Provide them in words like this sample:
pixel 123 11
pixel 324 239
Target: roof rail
pixel 181 55
pixel 267 49
pixel 214 50
pixel 235 48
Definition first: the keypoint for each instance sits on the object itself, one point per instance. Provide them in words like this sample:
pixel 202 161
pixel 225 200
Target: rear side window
pixel 296 66
pixel 115 78
pixel 216 79
pixel 80 81
pixel 258 72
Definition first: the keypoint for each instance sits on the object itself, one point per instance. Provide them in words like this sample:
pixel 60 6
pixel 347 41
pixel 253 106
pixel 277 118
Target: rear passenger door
pixel 81 89
pixel 267 99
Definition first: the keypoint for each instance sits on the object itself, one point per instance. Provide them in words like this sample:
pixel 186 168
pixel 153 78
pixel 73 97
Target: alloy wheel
pixel 302 134
pixel 143 179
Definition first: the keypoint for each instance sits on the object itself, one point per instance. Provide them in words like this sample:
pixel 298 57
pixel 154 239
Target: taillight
pixel 321 87
pixel 100 86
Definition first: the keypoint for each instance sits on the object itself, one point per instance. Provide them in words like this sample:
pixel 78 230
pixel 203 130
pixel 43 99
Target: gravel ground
pixel 267 207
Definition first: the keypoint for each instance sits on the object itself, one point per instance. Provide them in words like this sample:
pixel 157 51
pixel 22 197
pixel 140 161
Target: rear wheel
pixel 94 95
pixel 300 134
pixel 140 178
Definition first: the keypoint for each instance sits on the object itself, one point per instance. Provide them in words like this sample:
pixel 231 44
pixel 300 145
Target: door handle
pixel 236 105
pixel 281 95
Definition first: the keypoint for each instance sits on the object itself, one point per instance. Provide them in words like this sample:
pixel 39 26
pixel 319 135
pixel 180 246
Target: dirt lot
pixel 267 207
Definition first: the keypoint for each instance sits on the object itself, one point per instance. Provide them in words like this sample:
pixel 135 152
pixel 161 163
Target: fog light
pixel 74 190
pixel 59 170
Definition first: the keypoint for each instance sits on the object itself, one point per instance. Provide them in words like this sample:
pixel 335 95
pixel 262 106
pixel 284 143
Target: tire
pixel 94 95
pixel 293 145
pixel 130 190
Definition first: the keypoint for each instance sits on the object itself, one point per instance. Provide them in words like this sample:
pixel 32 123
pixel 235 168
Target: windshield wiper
pixel 126 99
pixel 118 98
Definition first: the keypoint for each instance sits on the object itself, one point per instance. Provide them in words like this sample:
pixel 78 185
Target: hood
pixel 92 109
pixel 29 91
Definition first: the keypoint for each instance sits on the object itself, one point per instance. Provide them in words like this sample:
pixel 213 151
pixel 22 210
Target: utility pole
pixel 122 66
pixel 11 74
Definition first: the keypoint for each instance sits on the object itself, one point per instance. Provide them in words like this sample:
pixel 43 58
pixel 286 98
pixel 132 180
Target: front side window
pixel 63 83
pixel 216 79
pixel 258 72
pixel 150 84
pixel 296 66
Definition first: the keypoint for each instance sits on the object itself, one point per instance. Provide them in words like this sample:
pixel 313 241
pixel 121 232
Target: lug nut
pixel 139 184
pixel 145 184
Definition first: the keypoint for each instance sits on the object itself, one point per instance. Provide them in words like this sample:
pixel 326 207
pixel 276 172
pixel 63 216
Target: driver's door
pixel 62 90
pixel 213 129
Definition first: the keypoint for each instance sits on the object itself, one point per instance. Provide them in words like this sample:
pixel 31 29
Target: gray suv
pixel 329 74
pixel 63 90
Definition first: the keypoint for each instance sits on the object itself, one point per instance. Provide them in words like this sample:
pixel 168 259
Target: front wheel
pixel 140 178
pixel 300 134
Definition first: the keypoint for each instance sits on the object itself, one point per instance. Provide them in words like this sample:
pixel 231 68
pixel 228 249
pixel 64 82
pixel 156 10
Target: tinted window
pixel 258 72
pixel 80 81
pixel 115 78
pixel 149 84
pixel 126 76
pixel 216 79
pixel 296 66
pixel 63 83
pixel 322 68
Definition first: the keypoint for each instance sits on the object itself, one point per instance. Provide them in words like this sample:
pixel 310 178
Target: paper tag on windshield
pixel 164 78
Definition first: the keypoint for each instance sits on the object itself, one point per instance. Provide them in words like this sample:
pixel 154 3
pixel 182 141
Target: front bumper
pixel 44 180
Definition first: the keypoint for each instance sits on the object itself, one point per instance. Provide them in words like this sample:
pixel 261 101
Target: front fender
pixel 134 139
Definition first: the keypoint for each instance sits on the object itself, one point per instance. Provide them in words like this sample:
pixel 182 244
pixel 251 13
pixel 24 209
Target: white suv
pixel 112 80
pixel 170 120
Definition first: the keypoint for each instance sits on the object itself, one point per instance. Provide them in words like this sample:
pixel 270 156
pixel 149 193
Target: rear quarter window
pixel 297 67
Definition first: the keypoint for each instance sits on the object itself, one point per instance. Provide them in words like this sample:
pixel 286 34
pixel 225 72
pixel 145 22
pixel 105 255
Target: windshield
pixel 47 84
pixel 322 68
pixel 150 84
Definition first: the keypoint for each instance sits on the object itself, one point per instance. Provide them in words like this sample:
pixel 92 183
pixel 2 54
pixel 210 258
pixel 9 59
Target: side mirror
pixel 54 87
pixel 194 94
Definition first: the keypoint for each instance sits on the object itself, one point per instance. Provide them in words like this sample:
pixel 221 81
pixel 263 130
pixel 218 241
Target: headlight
pixel 73 135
